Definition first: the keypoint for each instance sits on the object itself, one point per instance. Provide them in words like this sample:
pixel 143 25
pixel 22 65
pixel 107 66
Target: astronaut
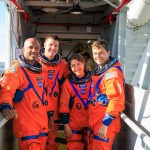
pixel 107 98
pixel 23 98
pixel 57 71
pixel 74 104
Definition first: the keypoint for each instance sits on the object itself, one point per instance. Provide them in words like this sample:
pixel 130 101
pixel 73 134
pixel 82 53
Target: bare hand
pixel 68 131
pixel 102 132
pixel 9 113
pixel 51 125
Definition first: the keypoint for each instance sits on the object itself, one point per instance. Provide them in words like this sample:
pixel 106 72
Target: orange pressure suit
pixel 105 103
pixel 74 109
pixel 57 71
pixel 25 84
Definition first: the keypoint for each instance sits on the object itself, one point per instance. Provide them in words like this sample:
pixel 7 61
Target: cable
pixel 146 2
pixel 136 27
pixel 12 18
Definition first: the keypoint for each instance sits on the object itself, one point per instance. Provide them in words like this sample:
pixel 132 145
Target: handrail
pixel 2 120
pixel 129 122
pixel 136 129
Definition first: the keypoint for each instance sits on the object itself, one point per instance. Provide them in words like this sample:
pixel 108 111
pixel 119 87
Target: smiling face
pixel 77 67
pixel 51 48
pixel 31 50
pixel 100 56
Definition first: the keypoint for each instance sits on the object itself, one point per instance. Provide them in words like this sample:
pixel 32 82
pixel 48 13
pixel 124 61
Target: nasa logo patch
pixel 39 79
pixel 50 74
pixel 40 84
pixel 83 91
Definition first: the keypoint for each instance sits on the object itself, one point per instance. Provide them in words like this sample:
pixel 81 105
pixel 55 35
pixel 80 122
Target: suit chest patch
pixel 83 91
pixel 82 86
pixel 50 74
pixel 39 79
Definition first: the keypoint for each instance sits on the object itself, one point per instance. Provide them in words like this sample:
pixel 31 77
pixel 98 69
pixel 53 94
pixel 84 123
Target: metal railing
pixel 145 138
pixel 2 120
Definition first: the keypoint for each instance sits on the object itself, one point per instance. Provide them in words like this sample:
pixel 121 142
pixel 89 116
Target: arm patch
pixel 111 75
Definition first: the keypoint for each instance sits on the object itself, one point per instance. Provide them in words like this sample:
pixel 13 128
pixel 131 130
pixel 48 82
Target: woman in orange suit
pixel 74 104
pixel 107 98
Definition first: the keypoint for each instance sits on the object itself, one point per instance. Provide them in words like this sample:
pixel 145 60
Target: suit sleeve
pixel 50 108
pixel 114 83
pixel 64 103
pixel 10 82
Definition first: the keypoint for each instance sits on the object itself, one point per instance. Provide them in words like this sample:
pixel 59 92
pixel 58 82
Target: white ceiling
pixel 53 17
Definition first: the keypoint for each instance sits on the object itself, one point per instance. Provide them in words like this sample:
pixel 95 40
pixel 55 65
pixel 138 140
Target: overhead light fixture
pixel 89 41
pixel 51 10
pixel 76 9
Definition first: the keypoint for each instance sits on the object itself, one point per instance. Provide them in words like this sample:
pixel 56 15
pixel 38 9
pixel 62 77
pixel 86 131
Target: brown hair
pixel 51 37
pixel 101 43
pixel 78 57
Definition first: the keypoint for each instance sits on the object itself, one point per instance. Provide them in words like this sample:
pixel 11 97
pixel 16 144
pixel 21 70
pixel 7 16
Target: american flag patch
pixel 111 75
pixel 13 69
